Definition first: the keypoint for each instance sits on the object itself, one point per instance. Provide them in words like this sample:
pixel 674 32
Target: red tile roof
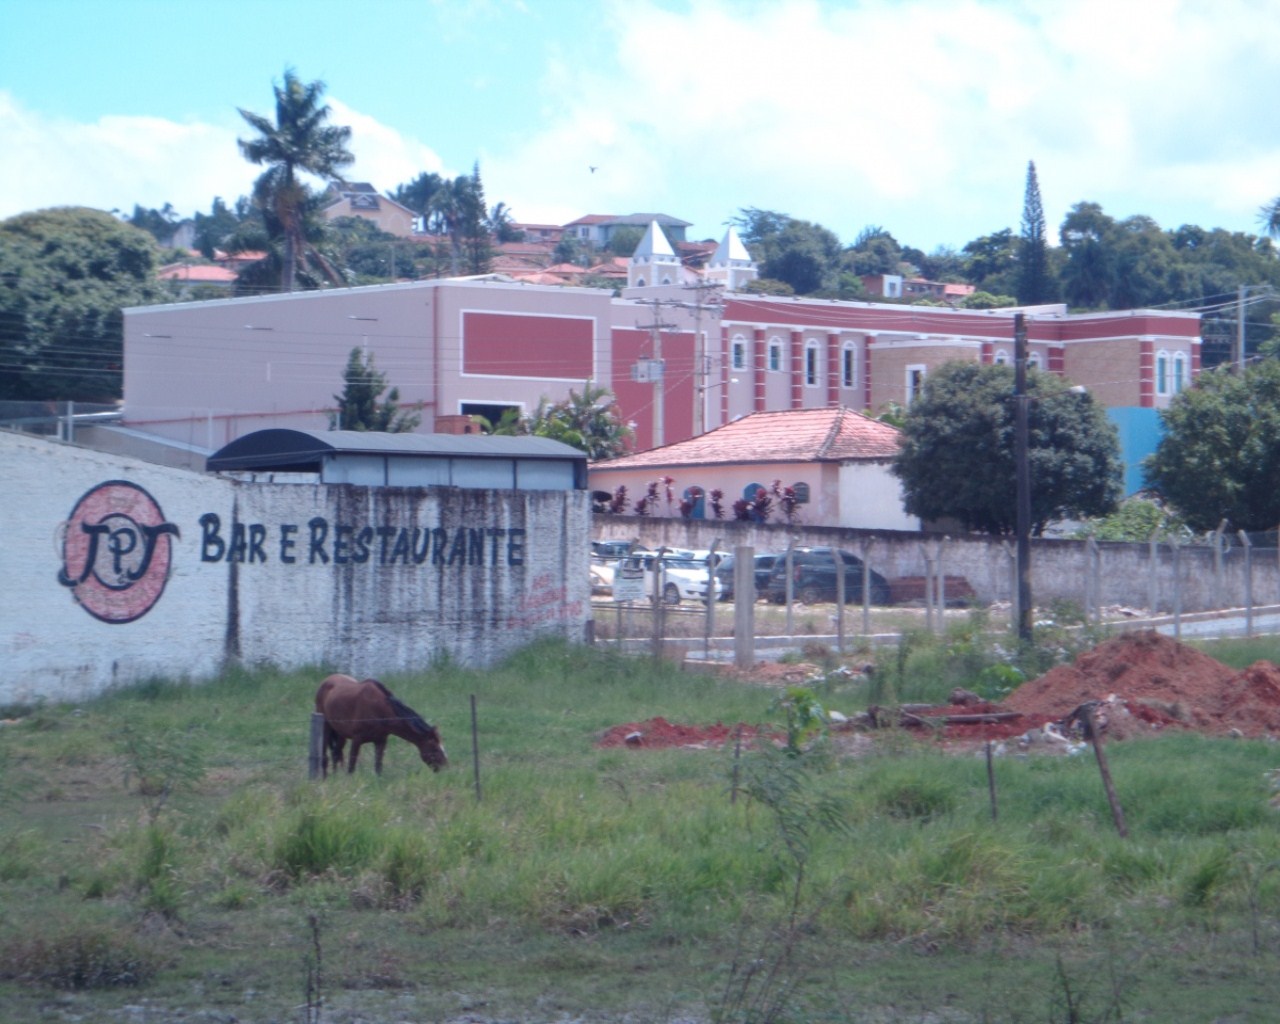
pixel 796 435
pixel 201 274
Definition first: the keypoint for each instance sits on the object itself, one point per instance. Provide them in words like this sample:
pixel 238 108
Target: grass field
pixel 165 858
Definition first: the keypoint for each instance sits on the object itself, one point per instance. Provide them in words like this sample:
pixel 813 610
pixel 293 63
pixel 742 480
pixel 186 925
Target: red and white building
pixel 684 351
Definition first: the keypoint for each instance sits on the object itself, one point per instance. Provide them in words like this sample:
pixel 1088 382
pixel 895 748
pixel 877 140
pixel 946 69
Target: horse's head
pixel 432 749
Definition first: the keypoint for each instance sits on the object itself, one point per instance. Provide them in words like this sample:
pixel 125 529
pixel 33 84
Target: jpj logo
pixel 116 552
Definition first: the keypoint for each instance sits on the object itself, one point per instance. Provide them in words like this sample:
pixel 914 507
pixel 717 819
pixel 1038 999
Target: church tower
pixel 731 265
pixel 654 262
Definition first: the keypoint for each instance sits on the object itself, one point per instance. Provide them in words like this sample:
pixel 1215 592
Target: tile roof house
pixel 836 460
pixel 360 199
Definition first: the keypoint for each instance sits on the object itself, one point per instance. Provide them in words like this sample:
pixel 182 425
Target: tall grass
pixel 572 840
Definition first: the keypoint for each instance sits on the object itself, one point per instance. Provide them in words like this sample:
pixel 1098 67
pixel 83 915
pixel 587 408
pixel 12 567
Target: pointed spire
pixel 730 249
pixel 732 265
pixel 653 244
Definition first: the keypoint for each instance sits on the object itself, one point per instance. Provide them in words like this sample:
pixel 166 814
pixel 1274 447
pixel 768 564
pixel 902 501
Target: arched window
pixel 802 493
pixel 739 352
pixel 640 282
pixel 1162 372
pixel 848 365
pixel 1179 372
pixel 1001 358
pixel 694 505
pixel 811 363
pixel 775 354
pixel 749 495
pixel 1033 361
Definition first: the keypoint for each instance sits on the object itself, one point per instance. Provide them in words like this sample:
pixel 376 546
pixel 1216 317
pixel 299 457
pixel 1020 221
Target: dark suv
pixel 813 577
pixel 725 570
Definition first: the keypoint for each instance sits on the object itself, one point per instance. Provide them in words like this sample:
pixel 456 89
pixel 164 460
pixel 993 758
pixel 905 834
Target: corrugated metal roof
pixel 280 450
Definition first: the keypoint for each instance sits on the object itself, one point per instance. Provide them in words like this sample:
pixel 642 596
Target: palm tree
pixel 299 140
pixel 1270 217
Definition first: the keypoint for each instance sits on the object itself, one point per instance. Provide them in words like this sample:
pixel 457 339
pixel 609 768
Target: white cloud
pixel 115 162
pixel 914 115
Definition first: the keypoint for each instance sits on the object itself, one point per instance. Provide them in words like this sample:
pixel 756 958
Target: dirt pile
pixel 658 732
pixel 1163 683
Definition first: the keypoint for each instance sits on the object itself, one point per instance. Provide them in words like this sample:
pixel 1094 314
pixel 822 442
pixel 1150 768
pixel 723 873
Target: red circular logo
pixel 116 552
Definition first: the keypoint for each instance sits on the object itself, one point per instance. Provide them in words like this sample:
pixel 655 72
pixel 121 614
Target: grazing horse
pixel 367 712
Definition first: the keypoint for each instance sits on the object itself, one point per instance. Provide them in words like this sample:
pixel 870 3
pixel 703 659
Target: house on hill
pixel 360 199
pixel 836 462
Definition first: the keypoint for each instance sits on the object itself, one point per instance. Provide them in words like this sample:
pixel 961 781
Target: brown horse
pixel 367 712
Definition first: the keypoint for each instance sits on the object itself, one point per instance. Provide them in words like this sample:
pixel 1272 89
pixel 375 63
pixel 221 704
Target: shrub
pixel 92 958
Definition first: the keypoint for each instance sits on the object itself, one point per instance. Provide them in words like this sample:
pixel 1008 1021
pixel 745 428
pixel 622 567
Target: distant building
pixel 360 199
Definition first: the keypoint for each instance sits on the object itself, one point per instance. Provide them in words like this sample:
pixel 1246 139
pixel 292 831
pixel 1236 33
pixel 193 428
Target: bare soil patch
pixel 1149 682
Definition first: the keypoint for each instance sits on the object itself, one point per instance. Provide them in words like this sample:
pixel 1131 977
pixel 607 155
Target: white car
pixel 683 579
pixel 601 578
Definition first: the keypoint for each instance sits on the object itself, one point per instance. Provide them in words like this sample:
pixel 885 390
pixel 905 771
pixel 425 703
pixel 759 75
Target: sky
pixel 917 116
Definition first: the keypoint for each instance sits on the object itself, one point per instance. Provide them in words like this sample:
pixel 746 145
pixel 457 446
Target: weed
pixel 159 765
pixel 84 958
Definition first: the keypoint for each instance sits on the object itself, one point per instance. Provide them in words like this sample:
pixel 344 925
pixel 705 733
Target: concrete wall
pixel 1060 568
pixel 121 570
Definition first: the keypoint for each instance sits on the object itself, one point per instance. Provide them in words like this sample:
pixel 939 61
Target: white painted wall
pixel 871 498
pixel 500 569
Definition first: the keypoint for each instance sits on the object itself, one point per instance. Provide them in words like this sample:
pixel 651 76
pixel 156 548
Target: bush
pixel 93 958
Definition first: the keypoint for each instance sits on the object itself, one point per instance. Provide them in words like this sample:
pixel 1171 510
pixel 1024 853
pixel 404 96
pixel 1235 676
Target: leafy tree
pixel 212 229
pixel 991 262
pixel 1034 284
pixel 65 275
pixel 985 300
pixel 569 250
pixel 159 224
pixel 502 224
pixel 359 407
pixel 800 254
pixel 417 195
pixel 1136 519
pixel 958 453
pixel 875 251
pixel 298 141
pixel 1088 239
pixel 1219 456
pixel 367 253
pixel 624 240
pixel 588 420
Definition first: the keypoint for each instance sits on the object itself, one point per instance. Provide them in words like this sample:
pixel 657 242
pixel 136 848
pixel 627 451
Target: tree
pixel 990 262
pixel 212 229
pixel 958 453
pixel 358 405
pixel 159 224
pixel 875 251
pixel 1219 456
pixel 299 140
pixel 588 420
pixel 1034 283
pixel 1088 239
pixel 802 255
pixel 65 275
pixel 502 224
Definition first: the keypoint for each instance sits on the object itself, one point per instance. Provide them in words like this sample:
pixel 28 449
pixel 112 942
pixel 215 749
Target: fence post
pixel 864 552
pixel 837 558
pixel 1177 588
pixel 1014 612
pixel 928 587
pixel 1248 583
pixel 744 612
pixel 1153 586
pixel 789 563
pixel 659 606
pixel 1218 545
pixel 711 600
pixel 940 591
pixel 315 754
pixel 1094 585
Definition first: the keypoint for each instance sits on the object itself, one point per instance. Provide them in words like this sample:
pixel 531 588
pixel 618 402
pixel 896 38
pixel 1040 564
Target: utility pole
pixel 1239 353
pixel 657 371
pixel 701 360
pixel 1021 460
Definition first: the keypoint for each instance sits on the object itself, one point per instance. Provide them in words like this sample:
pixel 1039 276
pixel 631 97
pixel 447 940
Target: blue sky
pixel 917 115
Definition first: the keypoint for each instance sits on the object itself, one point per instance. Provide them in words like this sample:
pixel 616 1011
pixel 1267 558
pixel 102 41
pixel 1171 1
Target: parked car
pixel 763 568
pixel 610 550
pixel 813 577
pixel 683 579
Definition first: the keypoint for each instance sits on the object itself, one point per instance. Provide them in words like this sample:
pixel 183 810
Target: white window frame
pixel 775 355
pixel 1179 380
pixel 849 364
pixel 738 352
pixel 812 369
pixel 913 381
pixel 1000 357
pixel 1162 372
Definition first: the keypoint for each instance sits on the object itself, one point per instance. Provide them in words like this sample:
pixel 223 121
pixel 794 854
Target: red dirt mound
pixel 1162 682
pixel 658 732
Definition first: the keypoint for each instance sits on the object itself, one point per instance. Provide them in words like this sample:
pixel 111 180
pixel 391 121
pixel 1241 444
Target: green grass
pixel 606 882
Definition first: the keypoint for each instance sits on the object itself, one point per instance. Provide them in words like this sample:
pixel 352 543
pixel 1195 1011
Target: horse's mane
pixel 402 710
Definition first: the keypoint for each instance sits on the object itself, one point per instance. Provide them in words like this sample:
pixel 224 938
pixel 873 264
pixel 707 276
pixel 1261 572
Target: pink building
pixel 684 351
